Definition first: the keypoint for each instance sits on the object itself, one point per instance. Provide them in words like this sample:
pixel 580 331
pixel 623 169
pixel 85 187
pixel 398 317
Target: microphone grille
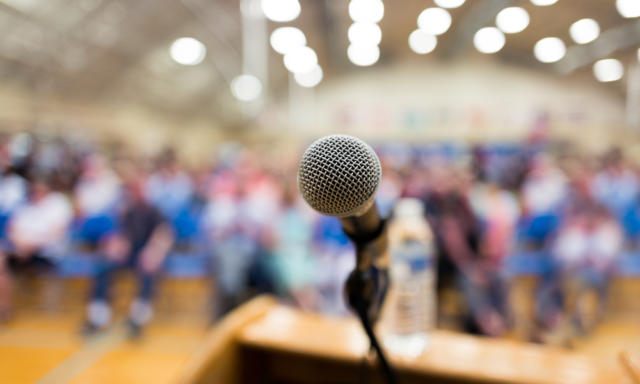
pixel 338 175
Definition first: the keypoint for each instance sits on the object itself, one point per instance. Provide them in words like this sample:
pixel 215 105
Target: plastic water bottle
pixel 409 311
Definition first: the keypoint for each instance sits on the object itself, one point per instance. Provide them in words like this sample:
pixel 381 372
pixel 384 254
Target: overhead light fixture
pixel 286 39
pixel 246 87
pixel 449 3
pixel 309 79
pixel 301 60
pixel 543 2
pixel 512 20
pixel 549 50
pixel 364 33
pixel 363 55
pixel 188 51
pixel 367 11
pixel 421 42
pixel 489 40
pixel 608 70
pixel 281 10
pixel 434 21
pixel 584 31
pixel 628 8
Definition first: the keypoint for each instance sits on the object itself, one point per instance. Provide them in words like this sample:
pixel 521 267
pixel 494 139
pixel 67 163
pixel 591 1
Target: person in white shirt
pixel 13 192
pixel 37 232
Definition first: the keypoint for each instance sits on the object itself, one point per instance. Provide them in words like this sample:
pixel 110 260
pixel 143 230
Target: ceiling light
pixel 543 2
pixel 449 3
pixel 584 31
pixel 363 33
pixel 366 10
pixel 512 20
pixel 549 50
pixel 434 21
pixel 286 39
pixel 628 8
pixel 246 87
pixel 608 70
pixel 422 43
pixel 300 60
pixel 188 51
pixel 309 79
pixel 489 40
pixel 363 55
pixel 281 10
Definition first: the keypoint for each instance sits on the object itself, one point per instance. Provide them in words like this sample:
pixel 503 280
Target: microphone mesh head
pixel 339 175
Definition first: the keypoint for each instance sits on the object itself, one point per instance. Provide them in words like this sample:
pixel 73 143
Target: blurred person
pixel 390 189
pixel 544 190
pixel 457 238
pixel 142 242
pixel 498 211
pixel 334 262
pixel 37 233
pixel 616 186
pixel 243 202
pixel 586 251
pixel 169 189
pixel 291 247
pixel 13 193
pixel 97 196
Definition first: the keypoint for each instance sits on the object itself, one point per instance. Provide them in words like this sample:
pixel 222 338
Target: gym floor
pixel 43 345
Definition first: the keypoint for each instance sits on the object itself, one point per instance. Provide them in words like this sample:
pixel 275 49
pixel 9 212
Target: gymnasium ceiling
pixel 118 49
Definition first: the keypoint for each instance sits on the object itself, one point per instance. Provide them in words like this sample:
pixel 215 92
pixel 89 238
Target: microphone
pixel 339 176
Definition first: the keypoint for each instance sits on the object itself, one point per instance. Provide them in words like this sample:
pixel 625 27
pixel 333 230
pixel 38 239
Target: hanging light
pixel 449 3
pixel 549 50
pixel 363 55
pixel 246 87
pixel 543 2
pixel 370 11
pixel 188 51
pixel 300 60
pixel 512 20
pixel 281 10
pixel 364 33
pixel 628 8
pixel 584 31
pixel 286 39
pixel 489 40
pixel 608 70
pixel 434 21
pixel 309 79
pixel 421 42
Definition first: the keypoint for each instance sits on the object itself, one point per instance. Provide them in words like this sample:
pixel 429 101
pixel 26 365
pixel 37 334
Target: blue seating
pixel 187 265
pixel 78 265
pixel 629 265
pixel 528 263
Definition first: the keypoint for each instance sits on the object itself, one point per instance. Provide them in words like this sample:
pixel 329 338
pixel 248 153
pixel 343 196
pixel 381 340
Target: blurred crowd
pixel 575 214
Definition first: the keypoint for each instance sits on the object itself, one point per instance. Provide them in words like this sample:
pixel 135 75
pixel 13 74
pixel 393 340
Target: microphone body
pixel 339 176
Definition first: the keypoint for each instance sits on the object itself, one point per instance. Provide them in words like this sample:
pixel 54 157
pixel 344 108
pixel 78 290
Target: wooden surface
pixel 452 357
pixel 217 361
pixel 631 361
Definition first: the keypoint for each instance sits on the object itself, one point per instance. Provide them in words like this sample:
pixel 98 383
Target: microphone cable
pixel 361 308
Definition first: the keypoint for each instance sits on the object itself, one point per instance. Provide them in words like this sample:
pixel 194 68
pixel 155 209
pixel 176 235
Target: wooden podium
pixel 264 342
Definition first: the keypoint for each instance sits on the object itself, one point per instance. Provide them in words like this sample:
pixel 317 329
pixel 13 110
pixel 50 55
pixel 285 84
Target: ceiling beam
pixel 610 41
pixel 221 26
pixel 480 15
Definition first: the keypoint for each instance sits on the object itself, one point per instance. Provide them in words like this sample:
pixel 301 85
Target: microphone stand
pixel 366 288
